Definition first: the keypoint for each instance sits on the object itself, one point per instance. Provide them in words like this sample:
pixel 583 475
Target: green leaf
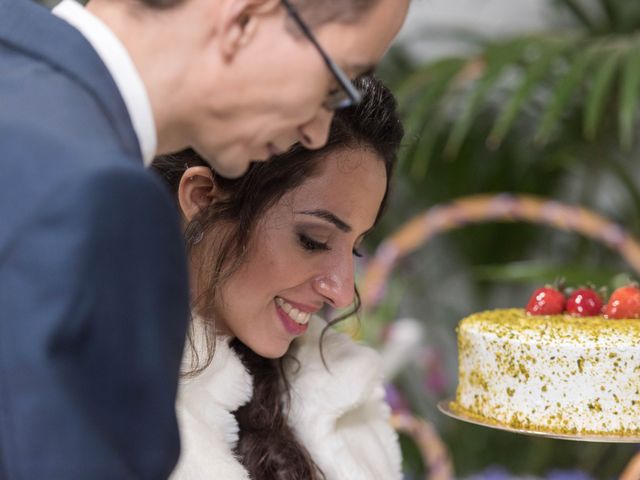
pixel 414 82
pixel 563 94
pixel 534 74
pixel 536 272
pixel 609 7
pixel 421 158
pixel 598 93
pixel 425 118
pixel 629 91
pixel 628 16
pixel 497 59
pixel 579 13
pixel 428 89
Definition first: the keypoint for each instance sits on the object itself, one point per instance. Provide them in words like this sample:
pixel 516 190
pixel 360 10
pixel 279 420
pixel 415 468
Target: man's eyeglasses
pixel 347 95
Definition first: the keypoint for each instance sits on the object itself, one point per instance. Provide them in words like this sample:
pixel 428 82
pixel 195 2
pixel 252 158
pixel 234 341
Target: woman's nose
pixel 337 287
pixel 314 133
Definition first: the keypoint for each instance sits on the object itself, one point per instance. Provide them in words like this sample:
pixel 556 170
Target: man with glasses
pixel 93 287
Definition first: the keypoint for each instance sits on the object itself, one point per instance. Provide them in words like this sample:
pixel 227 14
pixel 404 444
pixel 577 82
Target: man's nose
pixel 314 133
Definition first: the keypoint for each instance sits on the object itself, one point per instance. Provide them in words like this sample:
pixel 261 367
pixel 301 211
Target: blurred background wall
pixel 431 28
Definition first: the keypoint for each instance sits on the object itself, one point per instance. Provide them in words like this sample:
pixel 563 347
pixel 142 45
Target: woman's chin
pixel 272 349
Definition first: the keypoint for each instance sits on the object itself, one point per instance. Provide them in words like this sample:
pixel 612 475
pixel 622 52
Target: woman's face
pixel 301 254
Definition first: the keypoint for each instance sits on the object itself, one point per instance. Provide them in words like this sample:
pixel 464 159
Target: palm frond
pixel 629 91
pixel 564 92
pixel 534 73
pixel 423 90
pixel 597 95
pixel 628 15
pixel 420 99
pixel 580 13
pixel 497 59
pixel 611 12
pixel 537 272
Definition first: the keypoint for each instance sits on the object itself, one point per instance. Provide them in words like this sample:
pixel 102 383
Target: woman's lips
pixel 290 325
pixel 300 306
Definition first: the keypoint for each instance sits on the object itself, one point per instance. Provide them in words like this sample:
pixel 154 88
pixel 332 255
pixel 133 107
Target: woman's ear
pixel 196 191
pixel 239 22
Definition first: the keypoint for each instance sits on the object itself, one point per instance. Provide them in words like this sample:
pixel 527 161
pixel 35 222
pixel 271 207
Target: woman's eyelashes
pixel 311 245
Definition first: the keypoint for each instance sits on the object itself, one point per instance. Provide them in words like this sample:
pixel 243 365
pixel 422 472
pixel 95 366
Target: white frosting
pixel 552 373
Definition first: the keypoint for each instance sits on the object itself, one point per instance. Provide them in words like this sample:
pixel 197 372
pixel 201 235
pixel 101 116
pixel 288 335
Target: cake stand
pixel 445 407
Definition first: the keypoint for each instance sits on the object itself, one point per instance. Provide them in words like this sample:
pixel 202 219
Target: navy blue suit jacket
pixel 93 283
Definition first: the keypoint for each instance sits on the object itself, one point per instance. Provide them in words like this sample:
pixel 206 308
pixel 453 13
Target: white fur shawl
pixel 339 415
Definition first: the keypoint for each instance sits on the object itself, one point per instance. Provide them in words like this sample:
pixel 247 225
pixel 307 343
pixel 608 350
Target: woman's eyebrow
pixel 327 216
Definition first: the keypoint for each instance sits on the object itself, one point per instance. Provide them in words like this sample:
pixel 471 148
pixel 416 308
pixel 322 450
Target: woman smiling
pixel 270 390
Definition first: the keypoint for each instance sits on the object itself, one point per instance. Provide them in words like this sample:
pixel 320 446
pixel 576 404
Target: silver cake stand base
pixel 445 407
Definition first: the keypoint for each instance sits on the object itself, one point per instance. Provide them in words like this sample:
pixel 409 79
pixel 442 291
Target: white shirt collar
pixel 117 60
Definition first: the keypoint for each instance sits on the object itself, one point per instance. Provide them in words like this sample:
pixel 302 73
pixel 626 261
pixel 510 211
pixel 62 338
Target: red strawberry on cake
pixel 584 302
pixel 546 301
pixel 624 303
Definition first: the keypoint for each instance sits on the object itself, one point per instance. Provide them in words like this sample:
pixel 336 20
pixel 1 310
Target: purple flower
pixel 395 399
pixel 495 472
pixel 568 475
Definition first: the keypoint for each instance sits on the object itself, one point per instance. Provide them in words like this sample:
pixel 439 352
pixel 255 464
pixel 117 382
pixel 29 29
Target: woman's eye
pixel 310 244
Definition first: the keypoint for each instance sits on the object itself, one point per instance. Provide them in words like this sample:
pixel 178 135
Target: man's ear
pixel 196 191
pixel 239 21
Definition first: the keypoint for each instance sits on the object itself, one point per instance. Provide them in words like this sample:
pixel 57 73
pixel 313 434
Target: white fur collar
pixel 208 428
pixel 339 415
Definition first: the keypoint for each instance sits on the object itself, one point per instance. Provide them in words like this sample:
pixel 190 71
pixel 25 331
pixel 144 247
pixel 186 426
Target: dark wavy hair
pixel 267 446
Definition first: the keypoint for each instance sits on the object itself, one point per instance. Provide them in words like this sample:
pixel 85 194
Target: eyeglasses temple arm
pixel 345 81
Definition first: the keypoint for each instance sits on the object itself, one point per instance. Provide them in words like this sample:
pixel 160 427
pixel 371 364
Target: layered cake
pixel 554 373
